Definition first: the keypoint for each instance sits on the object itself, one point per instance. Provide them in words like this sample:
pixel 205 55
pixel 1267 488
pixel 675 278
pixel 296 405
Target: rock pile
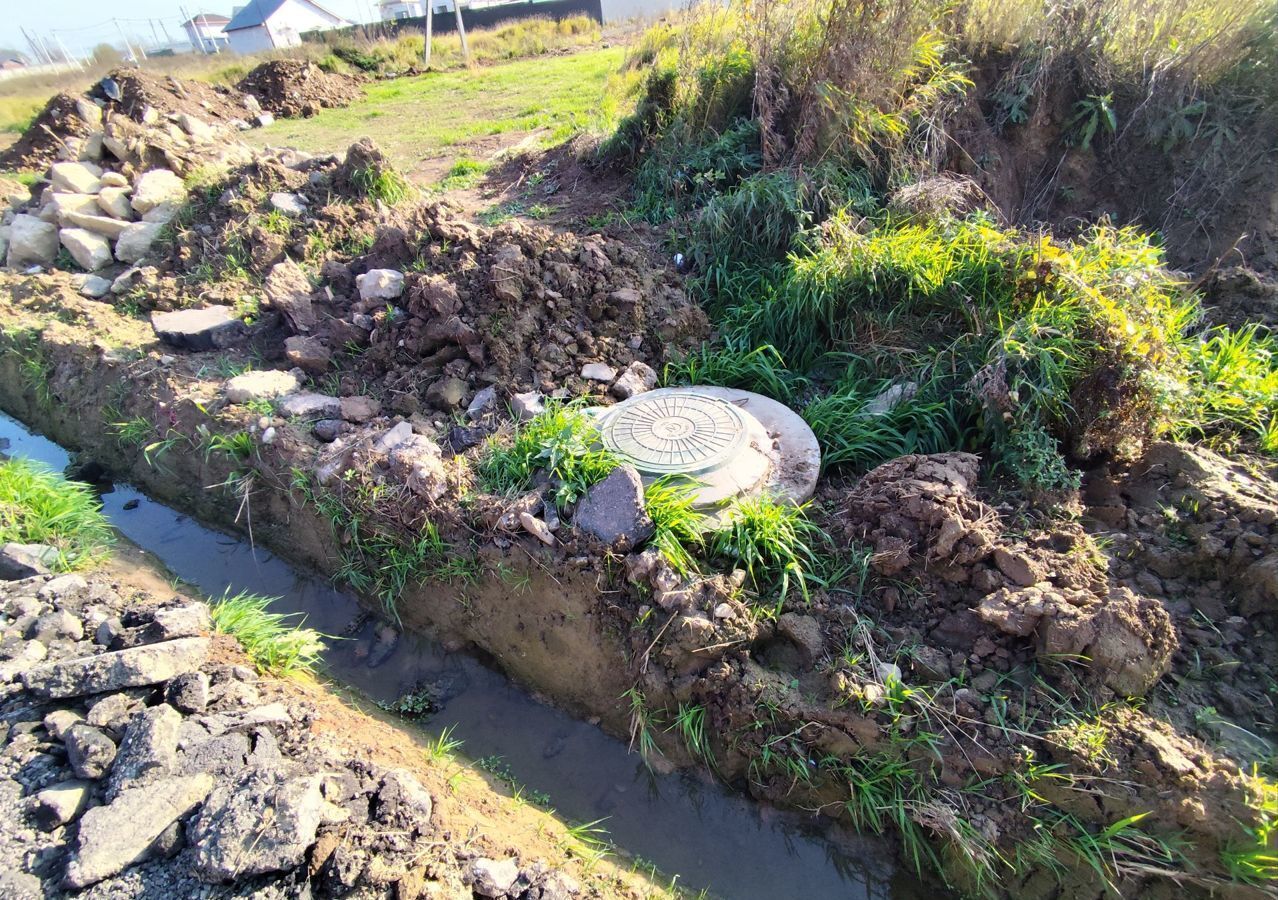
pixel 134 744
pixel 297 87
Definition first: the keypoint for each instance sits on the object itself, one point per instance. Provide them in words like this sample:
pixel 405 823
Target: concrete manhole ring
pixel 672 431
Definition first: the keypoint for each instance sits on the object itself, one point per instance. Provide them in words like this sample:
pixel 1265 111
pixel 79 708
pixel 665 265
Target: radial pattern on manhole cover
pixel 674 431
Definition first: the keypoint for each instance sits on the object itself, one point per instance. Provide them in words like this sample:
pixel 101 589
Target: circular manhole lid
pixel 674 431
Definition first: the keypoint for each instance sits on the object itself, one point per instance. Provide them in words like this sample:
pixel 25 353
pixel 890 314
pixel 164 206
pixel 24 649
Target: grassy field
pixel 421 120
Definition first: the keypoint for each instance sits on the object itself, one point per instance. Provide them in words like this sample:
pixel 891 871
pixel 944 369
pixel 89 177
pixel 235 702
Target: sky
pixel 83 24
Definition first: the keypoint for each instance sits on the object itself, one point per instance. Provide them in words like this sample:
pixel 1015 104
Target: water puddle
pixel 708 835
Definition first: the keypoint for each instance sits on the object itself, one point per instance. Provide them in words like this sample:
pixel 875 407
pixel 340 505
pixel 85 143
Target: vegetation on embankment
pixel 38 506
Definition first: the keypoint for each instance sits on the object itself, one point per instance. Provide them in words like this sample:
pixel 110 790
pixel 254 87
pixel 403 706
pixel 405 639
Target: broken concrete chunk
pixel 264 824
pixel 89 751
pixel 89 250
pixel 527 405
pixel 76 177
pixel 105 226
pixel 32 241
pixel 134 667
pixel 289 291
pixel 149 749
pixel 172 622
pixel 613 511
pixel 380 284
pixel 112 838
pixel 309 406
pixel 60 804
pixel 114 201
pixel 156 188
pixel 26 560
pixel 266 384
pixel 188 693
pixel 210 328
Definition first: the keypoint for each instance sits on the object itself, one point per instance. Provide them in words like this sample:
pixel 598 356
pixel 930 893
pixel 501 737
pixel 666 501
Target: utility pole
pixel 66 55
pixel 155 33
pixel 430 28
pixel 461 31
pixel 139 54
pixel 36 51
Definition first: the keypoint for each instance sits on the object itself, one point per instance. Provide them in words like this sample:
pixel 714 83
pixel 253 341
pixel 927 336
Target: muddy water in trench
pixel 708 835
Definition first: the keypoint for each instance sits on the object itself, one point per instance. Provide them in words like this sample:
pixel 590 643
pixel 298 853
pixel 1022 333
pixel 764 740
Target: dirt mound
pixel 47 140
pixel 1237 296
pixel 292 88
pixel 145 96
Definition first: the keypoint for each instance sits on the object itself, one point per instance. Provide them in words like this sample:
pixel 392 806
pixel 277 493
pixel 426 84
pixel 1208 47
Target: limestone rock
pixel 95 287
pixel 380 284
pixel 32 241
pixel 265 384
pixel 597 371
pixel 264 824
pixel 60 205
pixel 114 201
pixel 26 560
pixel 104 225
pixel 613 511
pixel 291 205
pixel 493 878
pixel 210 328
pixel 76 177
pixel 638 378
pixel 136 240
pixel 156 188
pixel 89 250
pixel 134 667
pixel 112 838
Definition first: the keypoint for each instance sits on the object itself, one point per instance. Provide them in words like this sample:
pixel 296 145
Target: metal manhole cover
pixel 674 431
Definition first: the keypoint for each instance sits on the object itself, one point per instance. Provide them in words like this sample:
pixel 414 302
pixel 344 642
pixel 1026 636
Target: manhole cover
pixel 674 431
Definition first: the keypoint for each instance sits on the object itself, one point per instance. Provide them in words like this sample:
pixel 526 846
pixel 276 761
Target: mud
pixel 45 140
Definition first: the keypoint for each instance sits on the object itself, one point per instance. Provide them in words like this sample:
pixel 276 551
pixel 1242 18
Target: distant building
pixel 205 32
pixel 268 24
pixel 12 63
pixel 390 10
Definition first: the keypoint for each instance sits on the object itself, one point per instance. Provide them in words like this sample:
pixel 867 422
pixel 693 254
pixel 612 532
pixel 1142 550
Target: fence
pixel 485 17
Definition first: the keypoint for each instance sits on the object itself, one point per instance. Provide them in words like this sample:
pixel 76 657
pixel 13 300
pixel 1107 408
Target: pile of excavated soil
pixel 46 140
pixel 144 95
pixel 291 87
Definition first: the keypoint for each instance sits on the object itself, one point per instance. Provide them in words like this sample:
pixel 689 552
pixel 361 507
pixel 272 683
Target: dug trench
pixel 810 710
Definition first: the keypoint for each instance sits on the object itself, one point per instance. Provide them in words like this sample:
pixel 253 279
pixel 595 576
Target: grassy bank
pixel 417 118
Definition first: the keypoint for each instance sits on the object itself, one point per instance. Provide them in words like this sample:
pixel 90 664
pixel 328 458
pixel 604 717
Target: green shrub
pixel 772 540
pixel 38 506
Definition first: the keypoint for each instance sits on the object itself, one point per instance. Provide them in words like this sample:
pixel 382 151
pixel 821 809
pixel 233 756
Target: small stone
pixel 527 405
pixel 638 378
pixel 266 384
pixel 380 284
pixel 59 722
pixel 172 622
pixel 95 287
pixel 56 806
pixel 18 561
pixel 447 393
pixel 114 201
pixel 112 713
pixel 188 693
pixel 196 128
pixel 309 406
pixel 491 878
pixel 76 177
pixel 89 751
pixel 107 227
pixel 308 353
pixel 291 205
pixel 62 586
pixel 57 626
pixel 393 437
pixel 537 528
pixel 113 180
pixel 481 403
pixel 597 371
pixel 725 611
pixel 327 430
pixel 262 119
pixel 209 328
pixel 359 409
pixel 289 291
pixel 612 510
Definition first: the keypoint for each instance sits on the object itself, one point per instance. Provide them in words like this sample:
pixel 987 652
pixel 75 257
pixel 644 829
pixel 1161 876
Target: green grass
pixel 560 441
pixel 773 541
pixel 1256 861
pixel 417 118
pixel 38 506
pixel 679 529
pixel 17 113
pixel 465 173
pixel 271 642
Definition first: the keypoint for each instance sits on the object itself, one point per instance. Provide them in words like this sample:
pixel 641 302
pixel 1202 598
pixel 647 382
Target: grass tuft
pixel 268 639
pixel 38 506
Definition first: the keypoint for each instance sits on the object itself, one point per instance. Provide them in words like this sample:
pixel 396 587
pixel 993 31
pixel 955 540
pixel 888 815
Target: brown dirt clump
pixel 291 88
pixel 143 92
pixel 46 140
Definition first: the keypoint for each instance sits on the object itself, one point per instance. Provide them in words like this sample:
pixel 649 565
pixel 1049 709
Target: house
pixel 205 32
pixel 268 24
pixel 390 10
